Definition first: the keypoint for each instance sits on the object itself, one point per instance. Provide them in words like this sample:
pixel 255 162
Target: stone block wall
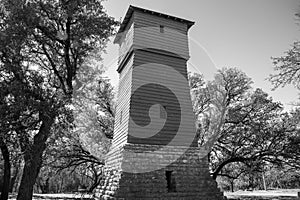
pixel 137 171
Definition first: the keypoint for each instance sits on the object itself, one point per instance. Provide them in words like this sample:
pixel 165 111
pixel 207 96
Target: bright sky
pixel 232 33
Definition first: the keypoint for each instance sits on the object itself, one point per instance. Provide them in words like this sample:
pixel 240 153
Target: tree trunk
pixel 251 182
pixel 30 172
pixel 45 187
pixel 264 181
pixel 6 175
pixel 14 176
pixel 33 161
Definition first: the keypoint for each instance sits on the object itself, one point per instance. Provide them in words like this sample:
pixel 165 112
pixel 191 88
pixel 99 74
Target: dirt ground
pixel 292 194
pixel 270 194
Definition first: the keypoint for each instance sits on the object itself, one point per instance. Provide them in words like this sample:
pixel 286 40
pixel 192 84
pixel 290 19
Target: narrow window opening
pixel 163 112
pixel 171 183
pixel 162 28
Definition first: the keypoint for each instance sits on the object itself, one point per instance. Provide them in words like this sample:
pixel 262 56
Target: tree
pixel 248 127
pixel 7 168
pixel 230 174
pixel 287 67
pixel 81 148
pixel 282 177
pixel 43 44
pixel 6 137
pixel 91 136
pixel 212 101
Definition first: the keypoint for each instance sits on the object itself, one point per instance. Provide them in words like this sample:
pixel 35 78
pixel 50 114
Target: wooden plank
pixel 171 40
pixel 146 57
pixel 145 43
pixel 126 41
pixel 187 125
pixel 145 19
pixel 123 104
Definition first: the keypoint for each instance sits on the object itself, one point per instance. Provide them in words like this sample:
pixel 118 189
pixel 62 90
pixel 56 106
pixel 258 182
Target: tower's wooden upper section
pixel 154 105
pixel 142 28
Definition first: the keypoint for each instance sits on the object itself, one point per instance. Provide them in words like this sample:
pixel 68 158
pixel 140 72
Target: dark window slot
pixel 171 183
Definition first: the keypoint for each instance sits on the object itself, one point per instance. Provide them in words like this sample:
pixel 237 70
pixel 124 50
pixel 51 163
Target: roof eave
pixel 131 9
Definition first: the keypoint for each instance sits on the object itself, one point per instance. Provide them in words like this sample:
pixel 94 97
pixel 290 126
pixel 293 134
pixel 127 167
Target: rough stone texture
pixel 190 171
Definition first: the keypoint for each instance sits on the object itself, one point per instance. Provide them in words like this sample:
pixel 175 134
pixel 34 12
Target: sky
pixel 233 33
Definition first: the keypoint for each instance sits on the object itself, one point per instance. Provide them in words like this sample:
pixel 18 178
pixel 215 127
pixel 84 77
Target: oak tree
pixel 43 45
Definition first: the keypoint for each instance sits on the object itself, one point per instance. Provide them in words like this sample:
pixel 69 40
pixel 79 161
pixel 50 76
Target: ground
pixel 291 194
pixel 270 194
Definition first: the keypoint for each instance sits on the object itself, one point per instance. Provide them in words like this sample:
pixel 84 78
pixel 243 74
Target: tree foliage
pixel 287 68
pixel 248 128
pixel 43 46
pixel 81 148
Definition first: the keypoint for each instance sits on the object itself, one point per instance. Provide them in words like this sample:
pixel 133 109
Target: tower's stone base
pixel 129 174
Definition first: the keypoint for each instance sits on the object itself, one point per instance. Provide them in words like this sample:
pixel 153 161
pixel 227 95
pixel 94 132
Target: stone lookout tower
pixel 154 153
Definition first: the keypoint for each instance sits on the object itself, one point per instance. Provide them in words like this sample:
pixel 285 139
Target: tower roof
pixel 131 9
